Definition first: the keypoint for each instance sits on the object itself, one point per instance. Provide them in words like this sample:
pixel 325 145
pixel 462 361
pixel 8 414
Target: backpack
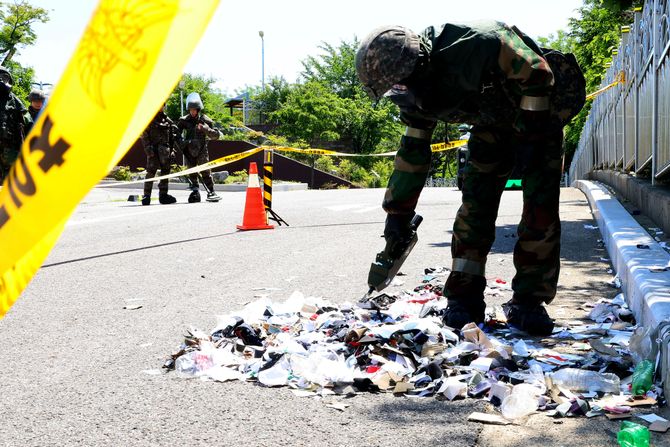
pixel 569 93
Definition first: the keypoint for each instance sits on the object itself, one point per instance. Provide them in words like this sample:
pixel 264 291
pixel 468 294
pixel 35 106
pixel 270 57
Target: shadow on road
pixel 131 250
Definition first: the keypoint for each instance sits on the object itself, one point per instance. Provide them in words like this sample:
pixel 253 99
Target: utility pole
pixel 262 34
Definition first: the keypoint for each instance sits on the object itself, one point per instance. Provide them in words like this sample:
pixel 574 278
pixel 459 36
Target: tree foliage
pixel 212 99
pixel 16 26
pixel 591 37
pixel 329 104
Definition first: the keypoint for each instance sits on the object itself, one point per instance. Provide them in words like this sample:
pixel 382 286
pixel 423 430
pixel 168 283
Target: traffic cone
pixel 255 217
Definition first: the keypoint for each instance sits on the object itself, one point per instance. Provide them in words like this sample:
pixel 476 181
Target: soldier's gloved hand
pixel 397 233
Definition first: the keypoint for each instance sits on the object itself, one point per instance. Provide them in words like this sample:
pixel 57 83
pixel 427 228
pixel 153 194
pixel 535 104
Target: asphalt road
pixel 75 368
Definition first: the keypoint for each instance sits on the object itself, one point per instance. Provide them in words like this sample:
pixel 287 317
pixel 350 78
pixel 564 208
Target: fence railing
pixel 628 127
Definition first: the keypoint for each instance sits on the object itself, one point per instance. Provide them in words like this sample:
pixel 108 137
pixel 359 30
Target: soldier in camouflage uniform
pixel 197 128
pixel 158 141
pixel 36 99
pixel 15 123
pixel 497 79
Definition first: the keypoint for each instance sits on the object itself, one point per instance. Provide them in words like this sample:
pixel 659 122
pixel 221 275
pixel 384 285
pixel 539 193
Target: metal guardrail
pixel 628 127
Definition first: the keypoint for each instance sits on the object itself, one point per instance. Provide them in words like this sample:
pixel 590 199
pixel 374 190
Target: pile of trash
pixel 398 343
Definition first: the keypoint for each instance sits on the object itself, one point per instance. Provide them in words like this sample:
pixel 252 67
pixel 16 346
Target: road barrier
pixel 628 128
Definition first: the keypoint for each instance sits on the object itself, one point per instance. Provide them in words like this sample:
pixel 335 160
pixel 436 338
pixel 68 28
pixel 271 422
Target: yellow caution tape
pixel 127 62
pixel 439 147
pixel 325 152
pixel 621 78
pixel 209 165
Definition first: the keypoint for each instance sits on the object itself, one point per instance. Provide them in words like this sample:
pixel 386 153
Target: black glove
pixel 397 233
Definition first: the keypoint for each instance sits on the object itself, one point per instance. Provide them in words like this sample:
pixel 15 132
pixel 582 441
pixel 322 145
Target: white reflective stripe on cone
pixel 253 181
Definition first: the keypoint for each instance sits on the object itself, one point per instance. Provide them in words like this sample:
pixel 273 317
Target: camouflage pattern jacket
pixel 194 139
pixel 474 73
pixel 15 122
pixel 161 131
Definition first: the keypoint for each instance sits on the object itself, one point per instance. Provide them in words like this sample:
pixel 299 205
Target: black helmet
pixel 386 56
pixel 37 95
pixel 6 76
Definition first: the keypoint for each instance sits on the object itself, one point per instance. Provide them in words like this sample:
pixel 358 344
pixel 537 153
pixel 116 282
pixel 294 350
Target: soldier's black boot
pixel 465 299
pixel 460 313
pixel 194 197
pixel 529 317
pixel 166 199
pixel 146 199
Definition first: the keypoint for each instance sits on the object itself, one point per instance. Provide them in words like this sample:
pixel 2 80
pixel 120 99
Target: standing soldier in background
pixel 517 97
pixel 15 123
pixel 158 142
pixel 36 99
pixel 196 129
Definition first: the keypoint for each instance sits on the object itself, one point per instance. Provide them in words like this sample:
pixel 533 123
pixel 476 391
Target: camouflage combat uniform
pixel 194 145
pixel 158 142
pixel 15 123
pixel 33 112
pixel 478 74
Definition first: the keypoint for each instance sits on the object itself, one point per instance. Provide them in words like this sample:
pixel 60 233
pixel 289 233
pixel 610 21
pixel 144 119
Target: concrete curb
pixel 644 272
pixel 233 187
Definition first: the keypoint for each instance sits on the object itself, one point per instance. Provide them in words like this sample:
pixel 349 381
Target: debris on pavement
pixel 397 343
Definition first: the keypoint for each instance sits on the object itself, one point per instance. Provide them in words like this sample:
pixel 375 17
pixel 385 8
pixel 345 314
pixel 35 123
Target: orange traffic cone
pixel 255 217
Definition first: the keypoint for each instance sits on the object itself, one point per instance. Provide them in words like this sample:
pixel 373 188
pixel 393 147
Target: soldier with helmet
pixel 196 130
pixel 158 140
pixel 15 123
pixel 36 99
pixel 517 97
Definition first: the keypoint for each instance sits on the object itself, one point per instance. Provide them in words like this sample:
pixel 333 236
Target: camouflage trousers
pixel 492 158
pixel 7 158
pixel 195 156
pixel 157 157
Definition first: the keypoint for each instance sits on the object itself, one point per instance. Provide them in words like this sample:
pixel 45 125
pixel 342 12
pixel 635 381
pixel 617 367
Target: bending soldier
pixel 15 123
pixel 197 129
pixel 157 140
pixel 517 97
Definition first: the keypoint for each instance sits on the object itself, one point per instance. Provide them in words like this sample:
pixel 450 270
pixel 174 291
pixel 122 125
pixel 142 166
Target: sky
pixel 230 49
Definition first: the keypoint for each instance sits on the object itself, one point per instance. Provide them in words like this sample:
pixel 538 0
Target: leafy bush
pixel 122 173
pixel 237 177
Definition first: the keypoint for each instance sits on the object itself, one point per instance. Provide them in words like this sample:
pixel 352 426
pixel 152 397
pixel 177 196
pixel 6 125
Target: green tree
pixel 212 98
pixel 311 113
pixel 23 79
pixel 335 68
pixel 16 26
pixel 276 92
pixel 591 37
pixel 330 104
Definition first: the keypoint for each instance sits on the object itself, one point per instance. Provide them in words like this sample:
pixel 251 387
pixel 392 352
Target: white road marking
pixel 357 208
pixel 124 215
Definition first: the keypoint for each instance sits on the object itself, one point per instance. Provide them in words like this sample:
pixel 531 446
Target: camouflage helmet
pixel 386 56
pixel 36 95
pixel 193 101
pixel 6 76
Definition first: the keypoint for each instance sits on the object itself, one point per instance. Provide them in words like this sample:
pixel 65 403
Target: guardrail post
pixel 654 88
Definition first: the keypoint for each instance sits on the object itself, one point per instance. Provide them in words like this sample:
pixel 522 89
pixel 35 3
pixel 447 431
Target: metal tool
pixel 388 262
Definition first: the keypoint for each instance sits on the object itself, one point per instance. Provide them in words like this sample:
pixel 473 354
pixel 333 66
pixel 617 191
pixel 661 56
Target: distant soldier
pixel 15 122
pixel 36 99
pixel 196 129
pixel 158 142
